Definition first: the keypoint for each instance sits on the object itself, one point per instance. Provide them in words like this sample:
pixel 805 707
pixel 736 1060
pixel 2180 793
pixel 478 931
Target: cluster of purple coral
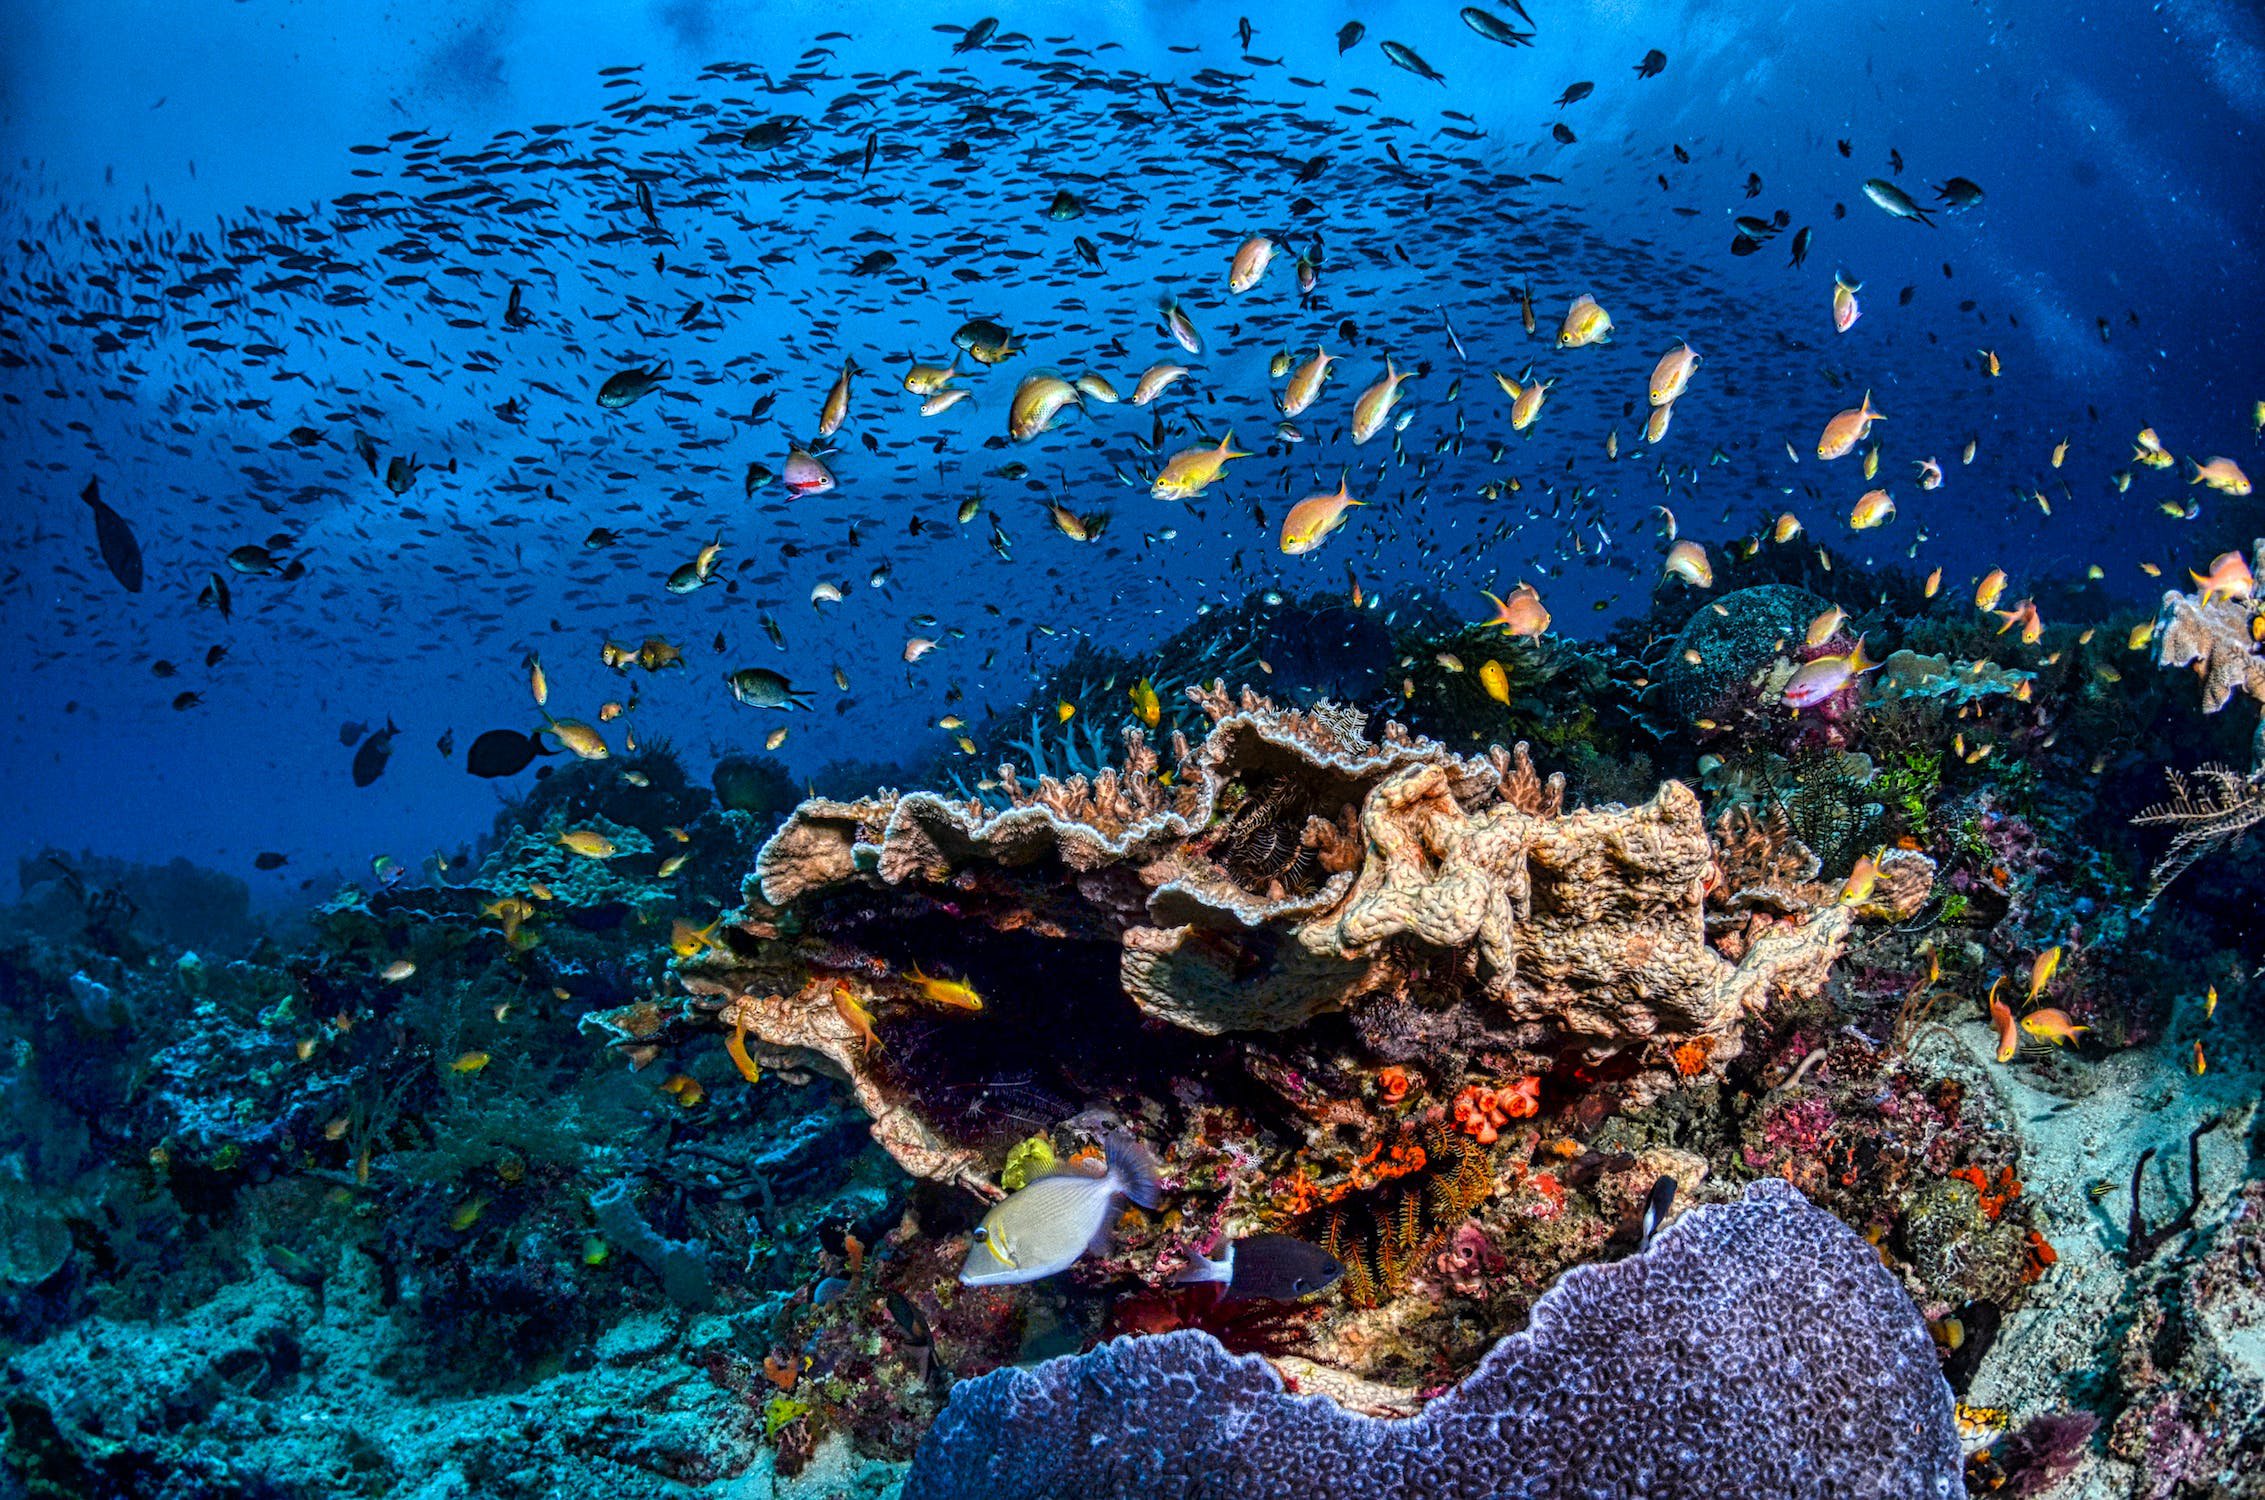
pixel 1759 1347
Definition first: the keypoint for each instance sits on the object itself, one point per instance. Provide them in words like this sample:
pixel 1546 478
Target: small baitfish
pixel 1045 1227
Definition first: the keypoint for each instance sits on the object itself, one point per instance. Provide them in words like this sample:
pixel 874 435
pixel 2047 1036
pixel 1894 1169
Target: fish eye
pixel 981 1234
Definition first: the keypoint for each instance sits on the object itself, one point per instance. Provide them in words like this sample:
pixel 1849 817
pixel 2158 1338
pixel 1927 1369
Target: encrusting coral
pixel 1286 867
pixel 1758 1347
pixel 2214 636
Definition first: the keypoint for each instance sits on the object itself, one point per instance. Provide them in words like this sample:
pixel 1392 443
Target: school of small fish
pixel 977 358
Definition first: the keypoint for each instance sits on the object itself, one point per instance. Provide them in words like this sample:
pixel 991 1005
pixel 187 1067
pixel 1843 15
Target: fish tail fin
pixel 1858 662
pixel 1134 1167
pixel 1205 1266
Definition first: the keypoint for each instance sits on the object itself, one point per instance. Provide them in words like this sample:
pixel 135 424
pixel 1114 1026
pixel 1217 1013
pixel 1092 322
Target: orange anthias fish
pixel 1847 429
pixel 1861 881
pixel 2001 1017
pixel 1820 679
pixel 2221 474
pixel 2023 614
pixel 1520 614
pixel 1687 560
pixel 2229 578
pixel 2048 1024
pixel 1312 519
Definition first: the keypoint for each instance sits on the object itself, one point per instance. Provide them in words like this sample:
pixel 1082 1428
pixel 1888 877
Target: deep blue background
pixel 2119 146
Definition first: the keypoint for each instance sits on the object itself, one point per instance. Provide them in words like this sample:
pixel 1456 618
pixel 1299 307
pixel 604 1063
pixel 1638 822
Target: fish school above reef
pixel 1800 1042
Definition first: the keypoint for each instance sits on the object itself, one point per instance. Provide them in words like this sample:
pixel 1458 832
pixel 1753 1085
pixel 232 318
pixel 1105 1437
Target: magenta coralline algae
pixel 1805 1125
pixel 1758 1348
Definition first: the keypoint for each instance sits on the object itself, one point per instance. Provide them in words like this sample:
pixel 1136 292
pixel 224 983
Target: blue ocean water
pixel 234 222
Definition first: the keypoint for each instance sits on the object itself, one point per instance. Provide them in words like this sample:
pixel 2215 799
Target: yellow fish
pixel 1146 707
pixel 687 941
pixel 589 843
pixel 1585 323
pixel 469 1062
pixel 1312 519
pixel 956 994
pixel 1874 509
pixel 1188 471
pixel 2048 1024
pixel 2042 970
pixel 1495 681
pixel 736 1046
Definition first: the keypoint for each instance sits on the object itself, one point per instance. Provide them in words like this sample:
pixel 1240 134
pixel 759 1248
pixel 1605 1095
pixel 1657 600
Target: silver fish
pixel 1895 200
pixel 1044 1228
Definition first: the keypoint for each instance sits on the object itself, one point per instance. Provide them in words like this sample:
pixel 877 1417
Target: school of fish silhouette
pixel 1064 911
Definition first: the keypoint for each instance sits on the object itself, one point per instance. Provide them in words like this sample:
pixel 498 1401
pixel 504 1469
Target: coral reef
pixel 579 1129
pixel 1288 867
pixel 1757 1347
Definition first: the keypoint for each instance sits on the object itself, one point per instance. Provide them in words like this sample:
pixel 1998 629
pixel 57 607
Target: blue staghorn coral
pixel 1758 1348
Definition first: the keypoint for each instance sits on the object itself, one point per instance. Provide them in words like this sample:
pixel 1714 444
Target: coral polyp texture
pixel 1284 868
pixel 1757 1348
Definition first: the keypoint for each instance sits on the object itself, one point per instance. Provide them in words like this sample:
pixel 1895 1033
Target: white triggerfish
pixel 1045 1227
